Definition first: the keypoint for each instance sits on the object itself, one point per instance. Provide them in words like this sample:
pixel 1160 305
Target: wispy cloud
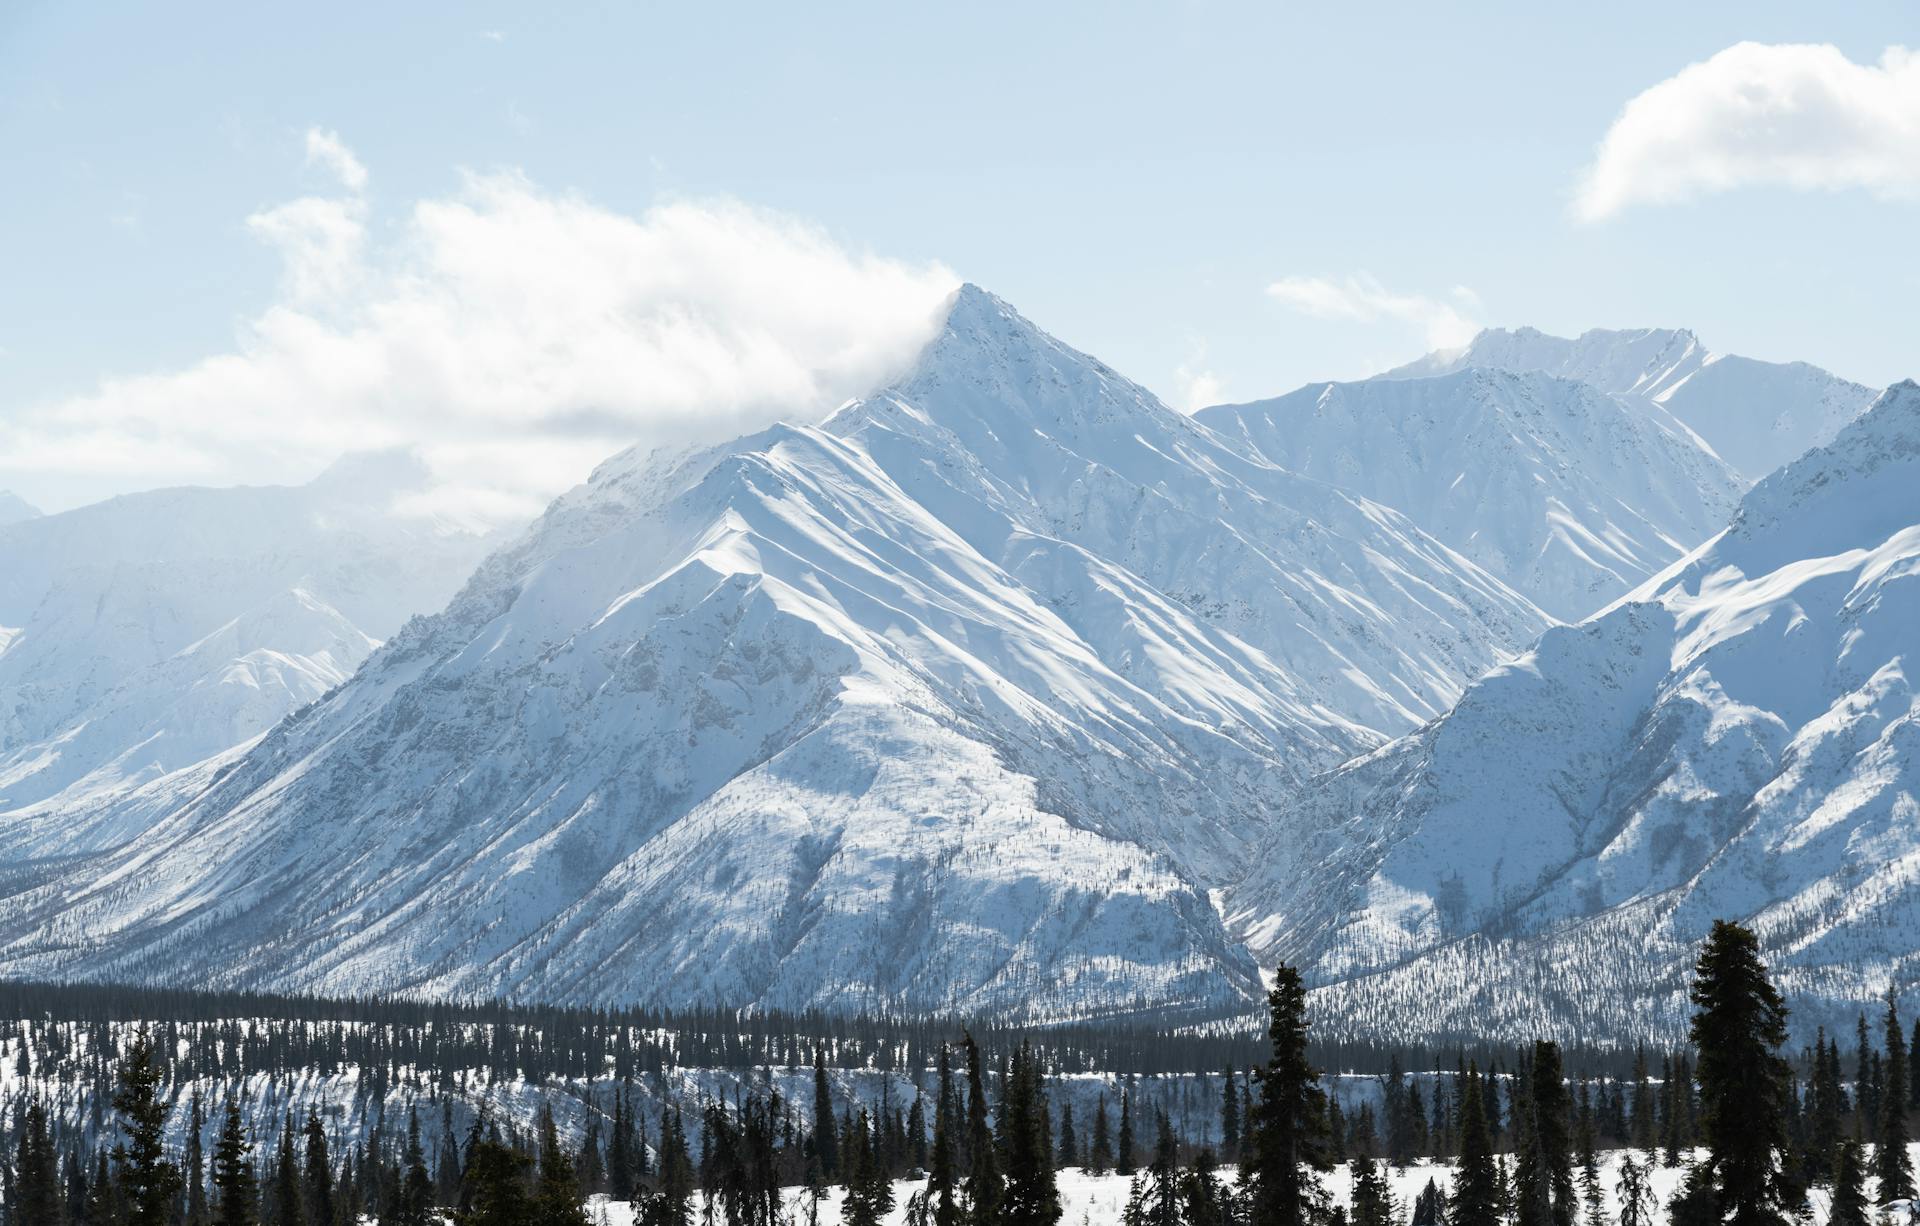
pixel 326 150
pixel 1443 322
pixel 512 335
pixel 1800 116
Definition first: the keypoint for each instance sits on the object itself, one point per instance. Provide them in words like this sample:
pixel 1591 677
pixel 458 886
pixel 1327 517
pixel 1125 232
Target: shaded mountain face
pixel 1570 495
pixel 960 702
pixel 151 633
pixel 1755 415
pixel 1734 739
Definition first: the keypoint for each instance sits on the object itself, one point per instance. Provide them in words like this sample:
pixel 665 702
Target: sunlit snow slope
pixel 1569 494
pixel 960 701
pixel 1738 738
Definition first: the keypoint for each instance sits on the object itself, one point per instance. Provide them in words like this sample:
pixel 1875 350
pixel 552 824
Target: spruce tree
pixel 147 1180
pixel 1155 1198
pixel 621 1177
pixel 1592 1195
pixel 1429 1207
pixel 984 1186
pixel 196 1172
pixel 1337 1131
pixel 1372 1198
pixel 1397 1110
pixel 1284 1143
pixel 317 1177
pixel 1204 1199
pixel 1635 1192
pixel 1123 1159
pixel 36 1195
pixel 236 1190
pixel 1069 1142
pixel 1476 1187
pixel 1102 1140
pixel 869 1191
pixel 1543 1167
pixel 1824 1111
pixel 1031 1196
pixel 556 1197
pixel 1849 1187
pixel 447 1175
pixel 1892 1166
pixel 498 1179
pixel 1865 1103
pixel 1738 1026
pixel 286 1203
pixel 825 1143
pixel 416 1188
pixel 943 1176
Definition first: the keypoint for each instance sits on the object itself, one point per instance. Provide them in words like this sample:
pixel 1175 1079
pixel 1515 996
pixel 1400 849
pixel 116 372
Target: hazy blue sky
pixel 1136 178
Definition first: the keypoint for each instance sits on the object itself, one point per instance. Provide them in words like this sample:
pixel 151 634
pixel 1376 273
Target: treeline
pixel 985 1135
pixel 277 1033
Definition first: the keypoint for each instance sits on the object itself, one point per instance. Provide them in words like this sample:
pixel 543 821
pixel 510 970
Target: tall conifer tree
pixel 1739 1023
pixel 1476 1188
pixel 1892 1165
pixel 147 1180
pixel 236 1189
pixel 1284 1143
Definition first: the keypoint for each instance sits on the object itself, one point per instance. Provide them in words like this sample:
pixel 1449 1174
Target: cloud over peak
pixel 513 336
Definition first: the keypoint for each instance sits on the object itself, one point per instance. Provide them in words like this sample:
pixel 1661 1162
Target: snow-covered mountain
pixel 962 701
pixel 154 632
pixel 1756 415
pixel 1738 738
pixel 1571 495
pixel 14 509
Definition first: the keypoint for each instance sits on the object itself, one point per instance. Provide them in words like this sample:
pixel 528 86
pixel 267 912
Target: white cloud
pixel 1198 388
pixel 515 337
pixel 1362 299
pixel 326 149
pixel 1797 116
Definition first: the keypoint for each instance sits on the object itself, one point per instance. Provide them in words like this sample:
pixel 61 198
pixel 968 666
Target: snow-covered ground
pixel 1097 1200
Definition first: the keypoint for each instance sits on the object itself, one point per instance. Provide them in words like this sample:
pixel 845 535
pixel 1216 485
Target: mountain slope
pixel 1568 494
pixel 155 631
pixel 1755 415
pixel 959 702
pixel 1735 739
pixel 14 509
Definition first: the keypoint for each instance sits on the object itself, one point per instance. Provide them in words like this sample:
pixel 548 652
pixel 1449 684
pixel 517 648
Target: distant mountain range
pixel 143 636
pixel 1006 690
pixel 1737 738
pixel 1755 415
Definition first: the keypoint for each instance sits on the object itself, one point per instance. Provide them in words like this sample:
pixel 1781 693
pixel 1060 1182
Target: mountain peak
pixel 990 372
pixel 388 471
pixel 15 509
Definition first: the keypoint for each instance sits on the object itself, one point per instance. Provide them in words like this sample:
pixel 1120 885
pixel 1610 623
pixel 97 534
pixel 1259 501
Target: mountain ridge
pixel 1732 739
